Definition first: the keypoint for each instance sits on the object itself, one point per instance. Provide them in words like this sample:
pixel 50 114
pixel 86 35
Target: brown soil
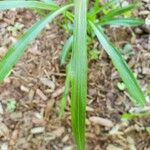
pixel 37 83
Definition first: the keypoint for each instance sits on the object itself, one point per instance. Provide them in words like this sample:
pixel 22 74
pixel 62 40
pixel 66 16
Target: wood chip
pixel 68 148
pixel 1 109
pixel 58 92
pixel 65 139
pixel 48 82
pixel 38 130
pixel 31 95
pixel 3 50
pixel 4 146
pixel 101 121
pixel 14 137
pixel 89 109
pixel 4 131
pixel 131 143
pixel 58 132
pixel 24 89
pixel 41 94
pixel 48 109
pixel 144 12
pixel 113 147
pixel 34 50
pixel 16 116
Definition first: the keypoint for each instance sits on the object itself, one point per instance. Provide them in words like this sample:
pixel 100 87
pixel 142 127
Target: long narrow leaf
pixel 16 51
pixel 128 116
pixel 66 92
pixel 79 74
pixel 123 22
pixel 27 4
pixel 122 67
pixel 101 8
pixel 119 11
pixel 66 49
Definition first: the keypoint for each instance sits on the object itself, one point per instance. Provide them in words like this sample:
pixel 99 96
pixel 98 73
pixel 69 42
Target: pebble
pixel 146 28
pixel 138 31
pixel 147 21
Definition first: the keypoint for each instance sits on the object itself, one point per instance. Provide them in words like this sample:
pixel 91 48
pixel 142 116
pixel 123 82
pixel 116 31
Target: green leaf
pixel 119 11
pixel 122 67
pixel 127 49
pixel 121 86
pixel 96 5
pixel 148 89
pixel 15 52
pixel 123 22
pixel 66 92
pixel 47 1
pixel 11 105
pixel 79 73
pixel 102 8
pixel 128 116
pixel 27 4
pixel 148 130
pixel 94 54
pixel 66 49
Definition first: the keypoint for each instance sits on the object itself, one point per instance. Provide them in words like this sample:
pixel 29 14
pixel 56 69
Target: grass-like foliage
pixel 83 25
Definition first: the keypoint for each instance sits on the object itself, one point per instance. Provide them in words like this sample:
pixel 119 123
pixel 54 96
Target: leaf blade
pixel 123 22
pixel 99 9
pixel 79 73
pixel 66 91
pixel 16 51
pixel 65 50
pixel 119 11
pixel 122 67
pixel 27 4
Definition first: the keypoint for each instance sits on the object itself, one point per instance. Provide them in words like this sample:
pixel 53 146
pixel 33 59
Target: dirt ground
pixel 37 83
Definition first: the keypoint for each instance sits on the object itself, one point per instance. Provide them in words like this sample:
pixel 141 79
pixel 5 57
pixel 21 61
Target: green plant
pixel 11 105
pixel 132 115
pixel 129 116
pixel 86 24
